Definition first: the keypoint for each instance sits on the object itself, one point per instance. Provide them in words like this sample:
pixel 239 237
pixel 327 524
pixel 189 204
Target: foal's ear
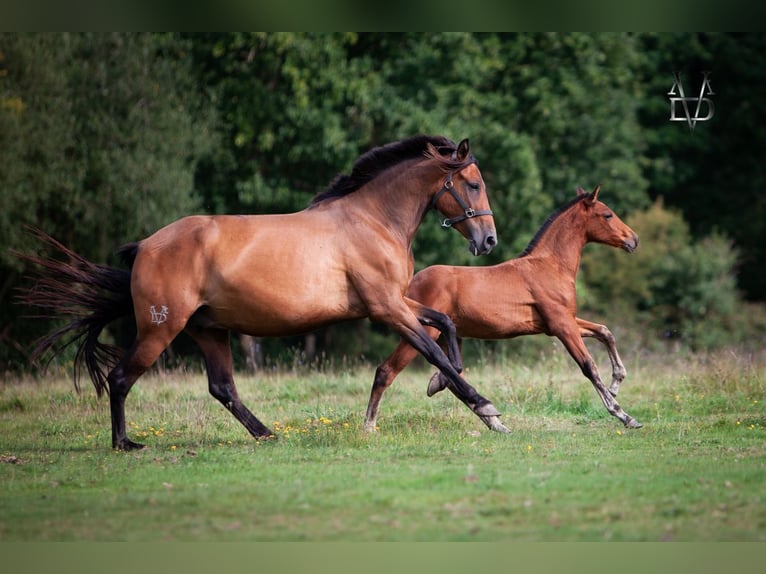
pixel 591 197
pixel 462 150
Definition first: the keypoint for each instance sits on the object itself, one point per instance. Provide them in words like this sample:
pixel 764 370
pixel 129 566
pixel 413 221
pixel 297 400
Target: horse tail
pixel 90 296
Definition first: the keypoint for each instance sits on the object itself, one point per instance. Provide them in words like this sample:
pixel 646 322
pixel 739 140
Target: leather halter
pixel 468 212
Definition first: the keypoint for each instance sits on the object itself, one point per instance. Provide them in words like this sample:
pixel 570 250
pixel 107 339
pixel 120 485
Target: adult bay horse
pixel 346 256
pixel 534 293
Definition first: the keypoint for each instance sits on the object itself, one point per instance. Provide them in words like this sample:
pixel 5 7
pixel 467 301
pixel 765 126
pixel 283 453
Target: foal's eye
pixel 607 215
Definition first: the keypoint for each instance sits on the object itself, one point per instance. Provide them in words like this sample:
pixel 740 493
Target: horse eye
pixel 474 186
pixel 608 216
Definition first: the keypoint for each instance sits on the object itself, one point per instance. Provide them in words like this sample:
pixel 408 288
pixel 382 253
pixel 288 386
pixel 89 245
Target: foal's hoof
pixel 632 423
pixel 370 427
pixel 436 384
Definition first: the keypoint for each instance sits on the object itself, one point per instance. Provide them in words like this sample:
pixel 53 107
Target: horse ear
pixel 594 195
pixel 462 150
pixel 580 191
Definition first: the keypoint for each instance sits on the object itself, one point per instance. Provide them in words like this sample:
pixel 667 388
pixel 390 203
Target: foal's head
pixel 602 225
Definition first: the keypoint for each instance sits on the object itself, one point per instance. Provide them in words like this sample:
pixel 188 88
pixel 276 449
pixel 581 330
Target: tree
pixel 714 174
pixel 101 134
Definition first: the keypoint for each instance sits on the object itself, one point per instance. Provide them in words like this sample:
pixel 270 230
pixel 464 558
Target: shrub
pixel 675 287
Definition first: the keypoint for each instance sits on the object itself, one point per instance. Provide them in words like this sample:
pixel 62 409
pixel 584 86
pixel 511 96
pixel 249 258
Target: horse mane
pixel 548 222
pixel 378 159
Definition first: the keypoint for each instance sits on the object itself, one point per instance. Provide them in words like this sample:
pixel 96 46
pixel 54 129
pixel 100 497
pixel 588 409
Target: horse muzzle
pixel 482 246
pixel 630 244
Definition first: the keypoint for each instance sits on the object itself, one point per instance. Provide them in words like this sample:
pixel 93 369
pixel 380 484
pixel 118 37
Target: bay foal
pixel 534 293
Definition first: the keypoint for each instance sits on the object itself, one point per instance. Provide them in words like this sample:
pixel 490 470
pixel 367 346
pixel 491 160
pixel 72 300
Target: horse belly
pixel 264 315
pixel 500 322
pixel 275 302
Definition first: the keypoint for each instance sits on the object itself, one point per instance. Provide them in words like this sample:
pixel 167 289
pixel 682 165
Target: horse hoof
pixel 128 445
pixel 370 427
pixel 487 410
pixel 436 384
pixel 633 424
pixel 494 424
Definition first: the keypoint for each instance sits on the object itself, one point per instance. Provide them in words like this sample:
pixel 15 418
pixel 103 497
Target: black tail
pixel 91 296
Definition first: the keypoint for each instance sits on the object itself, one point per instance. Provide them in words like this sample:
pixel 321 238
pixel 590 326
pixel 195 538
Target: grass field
pixel 433 472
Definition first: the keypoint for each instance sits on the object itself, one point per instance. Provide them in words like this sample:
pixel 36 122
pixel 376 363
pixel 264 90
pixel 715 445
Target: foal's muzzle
pixel 630 244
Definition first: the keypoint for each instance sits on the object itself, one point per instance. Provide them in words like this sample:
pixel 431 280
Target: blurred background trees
pixel 107 137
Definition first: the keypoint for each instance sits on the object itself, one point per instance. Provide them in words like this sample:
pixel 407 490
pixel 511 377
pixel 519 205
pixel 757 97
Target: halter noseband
pixel 468 212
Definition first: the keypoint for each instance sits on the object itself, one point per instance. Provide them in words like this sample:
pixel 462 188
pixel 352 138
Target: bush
pixel 673 287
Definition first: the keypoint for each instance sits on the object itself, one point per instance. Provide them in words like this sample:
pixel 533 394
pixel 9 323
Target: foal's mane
pixel 548 222
pixel 378 159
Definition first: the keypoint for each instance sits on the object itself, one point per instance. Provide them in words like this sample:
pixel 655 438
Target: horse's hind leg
pixel 216 350
pixel 604 335
pixel 133 364
pixel 384 376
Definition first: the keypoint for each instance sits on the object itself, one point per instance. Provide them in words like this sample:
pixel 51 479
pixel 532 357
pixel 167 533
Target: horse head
pixel 603 225
pixel 463 200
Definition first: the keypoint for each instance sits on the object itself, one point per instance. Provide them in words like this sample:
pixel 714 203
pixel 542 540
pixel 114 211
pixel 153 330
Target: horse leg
pixel 573 342
pixel 409 328
pixel 604 335
pixel 121 378
pixel 438 382
pixel 384 376
pixel 432 318
pixel 216 350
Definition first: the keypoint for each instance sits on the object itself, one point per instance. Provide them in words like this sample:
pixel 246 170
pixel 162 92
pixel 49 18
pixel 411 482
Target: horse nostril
pixel 490 242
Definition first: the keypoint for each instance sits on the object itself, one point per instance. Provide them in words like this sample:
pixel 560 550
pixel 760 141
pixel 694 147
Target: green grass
pixel 570 472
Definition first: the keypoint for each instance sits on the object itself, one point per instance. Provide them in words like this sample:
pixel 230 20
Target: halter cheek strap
pixel 468 212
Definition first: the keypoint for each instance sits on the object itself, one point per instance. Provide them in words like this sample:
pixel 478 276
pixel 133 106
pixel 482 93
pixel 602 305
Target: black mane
pixel 373 162
pixel 548 222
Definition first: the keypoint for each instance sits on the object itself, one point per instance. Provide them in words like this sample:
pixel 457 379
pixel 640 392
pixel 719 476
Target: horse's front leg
pixel 604 335
pixel 432 318
pixel 438 382
pixel 407 325
pixel 572 340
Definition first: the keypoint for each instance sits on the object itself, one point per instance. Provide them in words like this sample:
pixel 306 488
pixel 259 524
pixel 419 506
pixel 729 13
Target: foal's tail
pixel 90 296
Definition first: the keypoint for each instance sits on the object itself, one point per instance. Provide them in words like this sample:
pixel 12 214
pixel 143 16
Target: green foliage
pixel 101 134
pixel 107 137
pixel 716 175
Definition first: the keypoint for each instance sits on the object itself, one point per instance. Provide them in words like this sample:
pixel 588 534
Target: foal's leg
pixel 216 349
pixel 604 335
pixel 570 337
pixel 384 376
